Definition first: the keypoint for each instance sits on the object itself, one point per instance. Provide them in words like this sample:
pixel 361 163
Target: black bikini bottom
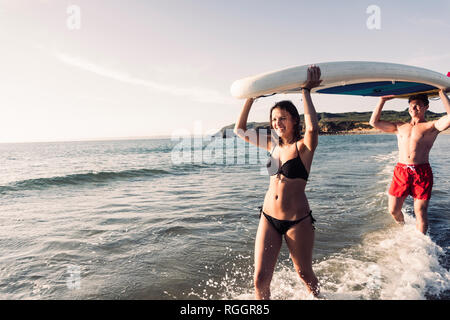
pixel 282 226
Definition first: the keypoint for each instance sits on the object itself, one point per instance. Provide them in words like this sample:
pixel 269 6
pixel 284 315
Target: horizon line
pixel 99 139
pixel 91 139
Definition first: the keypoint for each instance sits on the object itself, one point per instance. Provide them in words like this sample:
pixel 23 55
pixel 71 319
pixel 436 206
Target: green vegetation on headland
pixel 339 123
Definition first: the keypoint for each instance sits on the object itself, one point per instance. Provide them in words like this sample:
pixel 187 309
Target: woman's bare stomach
pixel 286 199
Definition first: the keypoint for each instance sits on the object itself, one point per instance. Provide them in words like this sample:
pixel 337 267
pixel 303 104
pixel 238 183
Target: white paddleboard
pixel 361 78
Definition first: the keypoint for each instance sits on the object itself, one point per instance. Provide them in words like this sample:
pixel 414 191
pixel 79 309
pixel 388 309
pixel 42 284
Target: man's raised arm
pixel 444 122
pixel 375 121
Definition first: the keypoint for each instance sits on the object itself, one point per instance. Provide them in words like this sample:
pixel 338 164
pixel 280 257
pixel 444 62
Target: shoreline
pixel 352 132
pixel 369 132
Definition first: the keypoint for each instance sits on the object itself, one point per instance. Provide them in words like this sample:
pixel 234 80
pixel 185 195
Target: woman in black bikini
pixel 286 210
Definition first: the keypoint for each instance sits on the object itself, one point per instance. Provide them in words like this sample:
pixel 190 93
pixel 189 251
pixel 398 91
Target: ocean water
pixel 176 219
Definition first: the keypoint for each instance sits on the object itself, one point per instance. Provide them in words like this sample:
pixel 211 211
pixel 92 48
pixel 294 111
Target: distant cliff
pixel 338 123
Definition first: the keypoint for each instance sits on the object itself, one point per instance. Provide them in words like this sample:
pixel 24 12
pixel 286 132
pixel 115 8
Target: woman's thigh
pixel 267 247
pixel 300 241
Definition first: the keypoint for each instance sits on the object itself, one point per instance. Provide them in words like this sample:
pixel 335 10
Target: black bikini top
pixel 293 168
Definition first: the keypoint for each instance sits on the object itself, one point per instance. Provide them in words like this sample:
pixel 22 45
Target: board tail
pixel 448 74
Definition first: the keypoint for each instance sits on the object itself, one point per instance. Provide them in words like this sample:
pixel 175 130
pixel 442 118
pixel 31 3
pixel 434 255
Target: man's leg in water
pixel 395 208
pixel 421 212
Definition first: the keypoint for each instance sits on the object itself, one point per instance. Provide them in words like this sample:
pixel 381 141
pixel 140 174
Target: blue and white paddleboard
pixel 360 78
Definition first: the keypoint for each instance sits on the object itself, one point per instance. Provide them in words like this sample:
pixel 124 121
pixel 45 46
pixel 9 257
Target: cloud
pixel 198 94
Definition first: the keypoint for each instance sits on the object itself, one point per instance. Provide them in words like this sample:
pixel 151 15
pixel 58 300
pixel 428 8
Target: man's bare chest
pixel 421 133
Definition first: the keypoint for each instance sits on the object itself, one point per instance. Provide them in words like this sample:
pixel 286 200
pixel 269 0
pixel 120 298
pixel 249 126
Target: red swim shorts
pixel 412 179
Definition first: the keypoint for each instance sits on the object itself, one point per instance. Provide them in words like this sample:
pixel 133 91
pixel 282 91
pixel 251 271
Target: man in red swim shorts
pixel 412 174
pixel 412 179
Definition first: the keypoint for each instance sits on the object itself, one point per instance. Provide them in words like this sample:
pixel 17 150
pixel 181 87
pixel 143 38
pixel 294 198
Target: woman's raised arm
pixel 261 140
pixel 311 123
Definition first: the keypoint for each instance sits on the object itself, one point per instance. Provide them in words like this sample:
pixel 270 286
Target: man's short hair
pixel 422 97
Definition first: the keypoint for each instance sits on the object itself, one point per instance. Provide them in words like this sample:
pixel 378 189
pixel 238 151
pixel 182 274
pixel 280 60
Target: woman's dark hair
pixel 289 107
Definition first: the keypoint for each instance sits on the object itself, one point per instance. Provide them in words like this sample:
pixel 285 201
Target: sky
pixel 84 69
